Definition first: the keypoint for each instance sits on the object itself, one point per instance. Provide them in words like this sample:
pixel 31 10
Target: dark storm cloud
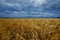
pixel 29 8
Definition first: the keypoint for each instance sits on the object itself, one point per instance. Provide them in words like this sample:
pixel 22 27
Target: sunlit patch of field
pixel 29 29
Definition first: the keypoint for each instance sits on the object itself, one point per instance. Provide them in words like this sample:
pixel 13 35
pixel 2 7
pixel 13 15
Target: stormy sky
pixel 30 8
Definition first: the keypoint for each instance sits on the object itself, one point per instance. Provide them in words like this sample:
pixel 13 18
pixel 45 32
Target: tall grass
pixel 29 29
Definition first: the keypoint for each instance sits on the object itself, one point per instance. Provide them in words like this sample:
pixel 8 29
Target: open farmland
pixel 29 29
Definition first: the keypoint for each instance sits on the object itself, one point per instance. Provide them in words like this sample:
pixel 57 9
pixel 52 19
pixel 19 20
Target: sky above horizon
pixel 30 8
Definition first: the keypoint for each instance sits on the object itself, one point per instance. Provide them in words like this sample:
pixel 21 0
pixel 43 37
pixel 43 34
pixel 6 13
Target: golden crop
pixel 29 29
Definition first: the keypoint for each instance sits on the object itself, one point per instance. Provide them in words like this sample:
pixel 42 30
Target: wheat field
pixel 29 29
